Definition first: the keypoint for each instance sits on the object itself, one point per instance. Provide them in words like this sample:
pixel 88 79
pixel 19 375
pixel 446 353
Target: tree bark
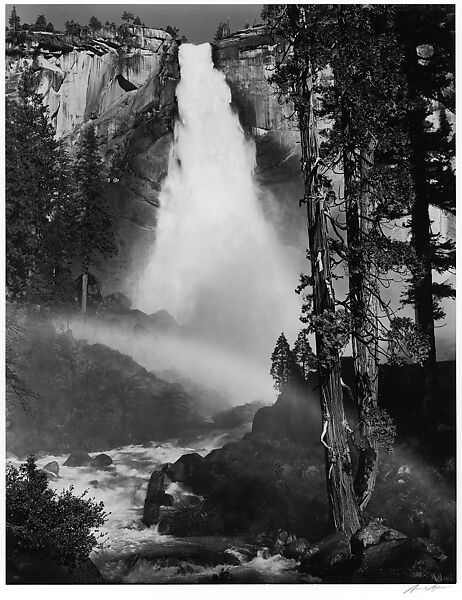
pixel 365 341
pixel 345 512
pixel 363 292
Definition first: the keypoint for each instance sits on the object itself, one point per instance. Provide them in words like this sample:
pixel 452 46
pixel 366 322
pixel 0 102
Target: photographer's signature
pixel 425 588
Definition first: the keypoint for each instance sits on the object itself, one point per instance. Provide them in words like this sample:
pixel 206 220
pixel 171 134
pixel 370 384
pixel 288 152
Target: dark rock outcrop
pixel 294 416
pixel 100 461
pixel 78 459
pixel 189 469
pixel 330 559
pixel 373 533
pixel 52 467
pixel 398 561
pixel 155 498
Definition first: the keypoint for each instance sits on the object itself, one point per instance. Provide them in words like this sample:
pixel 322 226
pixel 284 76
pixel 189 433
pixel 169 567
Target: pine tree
pixel 14 21
pixel 282 363
pixel 93 224
pixel 127 17
pixel 303 353
pixel 36 170
pixel 94 23
pixel 40 23
pixel 72 28
pixel 427 36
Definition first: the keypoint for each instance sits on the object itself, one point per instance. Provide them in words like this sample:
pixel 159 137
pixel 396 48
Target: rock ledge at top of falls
pixel 100 41
pixel 113 75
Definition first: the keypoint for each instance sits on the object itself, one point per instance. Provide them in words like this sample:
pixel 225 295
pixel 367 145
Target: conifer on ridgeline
pixel 14 21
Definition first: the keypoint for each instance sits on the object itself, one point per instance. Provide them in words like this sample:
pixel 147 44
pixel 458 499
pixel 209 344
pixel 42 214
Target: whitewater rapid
pixel 122 488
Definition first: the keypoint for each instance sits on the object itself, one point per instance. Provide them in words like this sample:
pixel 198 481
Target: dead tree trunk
pixel 364 305
pixel 345 511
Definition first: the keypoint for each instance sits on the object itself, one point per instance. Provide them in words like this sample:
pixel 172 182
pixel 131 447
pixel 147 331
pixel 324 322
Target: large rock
pixel 398 561
pixel 296 548
pixel 330 559
pixel 100 461
pixel 155 498
pixel 294 416
pixel 373 533
pixel 189 469
pixel 52 467
pixel 78 459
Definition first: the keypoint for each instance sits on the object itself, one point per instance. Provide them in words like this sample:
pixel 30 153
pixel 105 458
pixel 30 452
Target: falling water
pixel 217 265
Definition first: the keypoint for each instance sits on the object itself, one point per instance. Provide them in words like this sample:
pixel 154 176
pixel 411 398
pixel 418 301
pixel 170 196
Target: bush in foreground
pixel 58 526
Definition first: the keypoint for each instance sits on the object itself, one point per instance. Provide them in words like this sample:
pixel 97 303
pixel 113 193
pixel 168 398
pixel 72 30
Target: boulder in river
pixel 101 460
pixel 372 533
pixel 296 548
pixel 155 498
pixel 188 469
pixel 52 467
pixel 78 459
pixel 330 559
pixel 398 561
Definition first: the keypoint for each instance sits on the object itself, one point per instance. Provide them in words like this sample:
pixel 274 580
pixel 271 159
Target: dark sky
pixel 197 21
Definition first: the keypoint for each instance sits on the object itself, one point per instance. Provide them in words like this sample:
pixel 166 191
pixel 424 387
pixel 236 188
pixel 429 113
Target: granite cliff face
pixel 123 81
pixel 248 59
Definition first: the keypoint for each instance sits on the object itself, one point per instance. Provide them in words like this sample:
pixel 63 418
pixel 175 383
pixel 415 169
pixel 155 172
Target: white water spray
pixel 217 265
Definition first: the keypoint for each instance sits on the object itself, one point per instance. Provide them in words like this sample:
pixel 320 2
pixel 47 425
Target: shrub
pixel 59 526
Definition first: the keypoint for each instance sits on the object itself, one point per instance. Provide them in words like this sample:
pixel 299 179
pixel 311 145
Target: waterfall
pixel 217 265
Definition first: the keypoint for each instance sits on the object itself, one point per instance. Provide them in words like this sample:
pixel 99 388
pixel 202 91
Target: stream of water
pixel 122 487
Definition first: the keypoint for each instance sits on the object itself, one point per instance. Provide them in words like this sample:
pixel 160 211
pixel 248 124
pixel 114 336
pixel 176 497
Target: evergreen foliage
pixel 40 23
pixel 37 194
pixel 127 16
pixel 72 28
pixel 56 212
pixel 94 23
pixel 374 87
pixel 93 224
pixel 283 366
pixel 303 352
pixel 14 21
pixel 60 526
